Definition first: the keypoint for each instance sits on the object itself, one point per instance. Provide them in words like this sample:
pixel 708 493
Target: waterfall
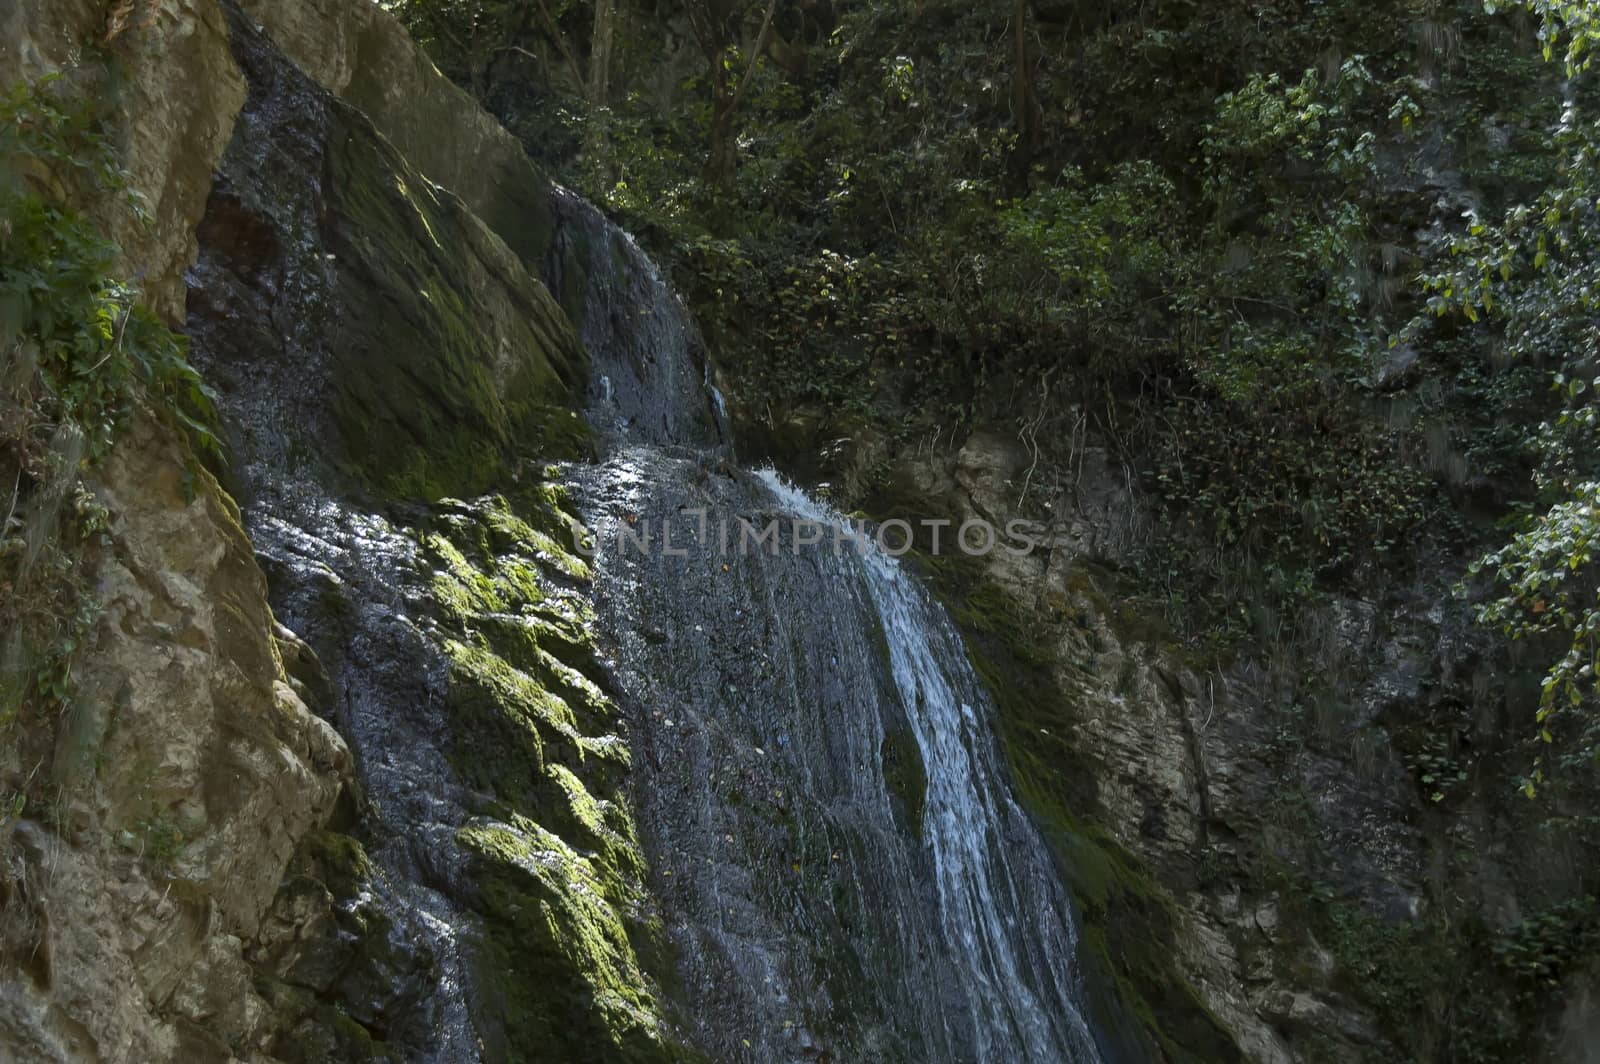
pixel 992 869
pixel 841 867
pixel 837 867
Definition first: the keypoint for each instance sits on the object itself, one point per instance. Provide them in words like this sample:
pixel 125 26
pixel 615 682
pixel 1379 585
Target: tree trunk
pixel 719 159
pixel 605 17
pixel 1024 100
pixel 720 163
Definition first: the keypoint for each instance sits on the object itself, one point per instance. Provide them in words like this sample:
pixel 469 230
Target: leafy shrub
pixel 76 354
pixel 1531 280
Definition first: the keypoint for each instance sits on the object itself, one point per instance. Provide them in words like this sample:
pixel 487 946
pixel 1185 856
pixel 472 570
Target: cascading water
pixel 648 382
pixel 841 867
pixel 995 900
pixel 840 872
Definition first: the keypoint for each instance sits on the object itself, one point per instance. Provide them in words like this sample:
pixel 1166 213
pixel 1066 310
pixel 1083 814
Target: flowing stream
pixel 841 866
pixel 840 872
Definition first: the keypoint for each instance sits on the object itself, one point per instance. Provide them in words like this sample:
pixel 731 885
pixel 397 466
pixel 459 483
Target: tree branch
pixel 755 55
pixel 561 44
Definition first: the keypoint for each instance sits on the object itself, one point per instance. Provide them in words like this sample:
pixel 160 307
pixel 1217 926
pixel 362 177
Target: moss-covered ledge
pixel 364 320
pixel 556 870
pixel 457 359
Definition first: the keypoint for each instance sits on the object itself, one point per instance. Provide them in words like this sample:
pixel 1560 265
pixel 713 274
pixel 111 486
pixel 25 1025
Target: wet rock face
pixel 378 349
pixel 758 718
pixel 378 326
pixel 841 870
pixel 650 382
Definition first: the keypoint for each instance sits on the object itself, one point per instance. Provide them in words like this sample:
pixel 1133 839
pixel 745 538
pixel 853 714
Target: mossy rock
pixel 524 690
pixel 905 774
pixel 555 866
pixel 1130 928
pixel 317 1031
pixel 338 861
pixel 425 355
pixel 561 972
pixel 453 360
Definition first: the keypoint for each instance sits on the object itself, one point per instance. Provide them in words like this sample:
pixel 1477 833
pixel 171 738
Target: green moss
pixel 458 587
pixel 1130 925
pixel 567 983
pixel 434 394
pixel 317 1031
pixel 904 774
pixel 1439 986
pixel 547 507
pixel 604 829
pixel 519 691
pixel 338 860
pixel 513 554
pixel 555 858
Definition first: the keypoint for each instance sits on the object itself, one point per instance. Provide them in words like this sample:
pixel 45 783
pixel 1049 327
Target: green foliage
pixel 59 300
pixel 1415 975
pixel 91 339
pixel 159 842
pixel 1541 948
pixel 1211 280
pixel 77 353
pixel 1531 277
pixel 465 37
pixel 1438 771
pixel 1268 457
pixel 1574 24
pixel 1112 249
pixel 888 238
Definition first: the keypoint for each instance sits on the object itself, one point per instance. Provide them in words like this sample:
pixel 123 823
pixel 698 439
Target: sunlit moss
pixel 556 867
pixel 565 973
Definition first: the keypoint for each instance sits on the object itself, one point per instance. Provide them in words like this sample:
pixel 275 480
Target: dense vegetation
pixel 1191 230
pixel 1319 276
pixel 1215 234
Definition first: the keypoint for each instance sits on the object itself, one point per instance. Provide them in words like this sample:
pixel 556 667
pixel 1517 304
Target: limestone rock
pixel 169 134
pixel 188 772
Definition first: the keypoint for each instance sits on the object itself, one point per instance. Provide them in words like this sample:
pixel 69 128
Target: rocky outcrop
pixel 380 353
pixel 169 888
pixel 169 134
pixel 360 54
pixel 421 352
pixel 158 815
pixel 185 775
pixel 1287 852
